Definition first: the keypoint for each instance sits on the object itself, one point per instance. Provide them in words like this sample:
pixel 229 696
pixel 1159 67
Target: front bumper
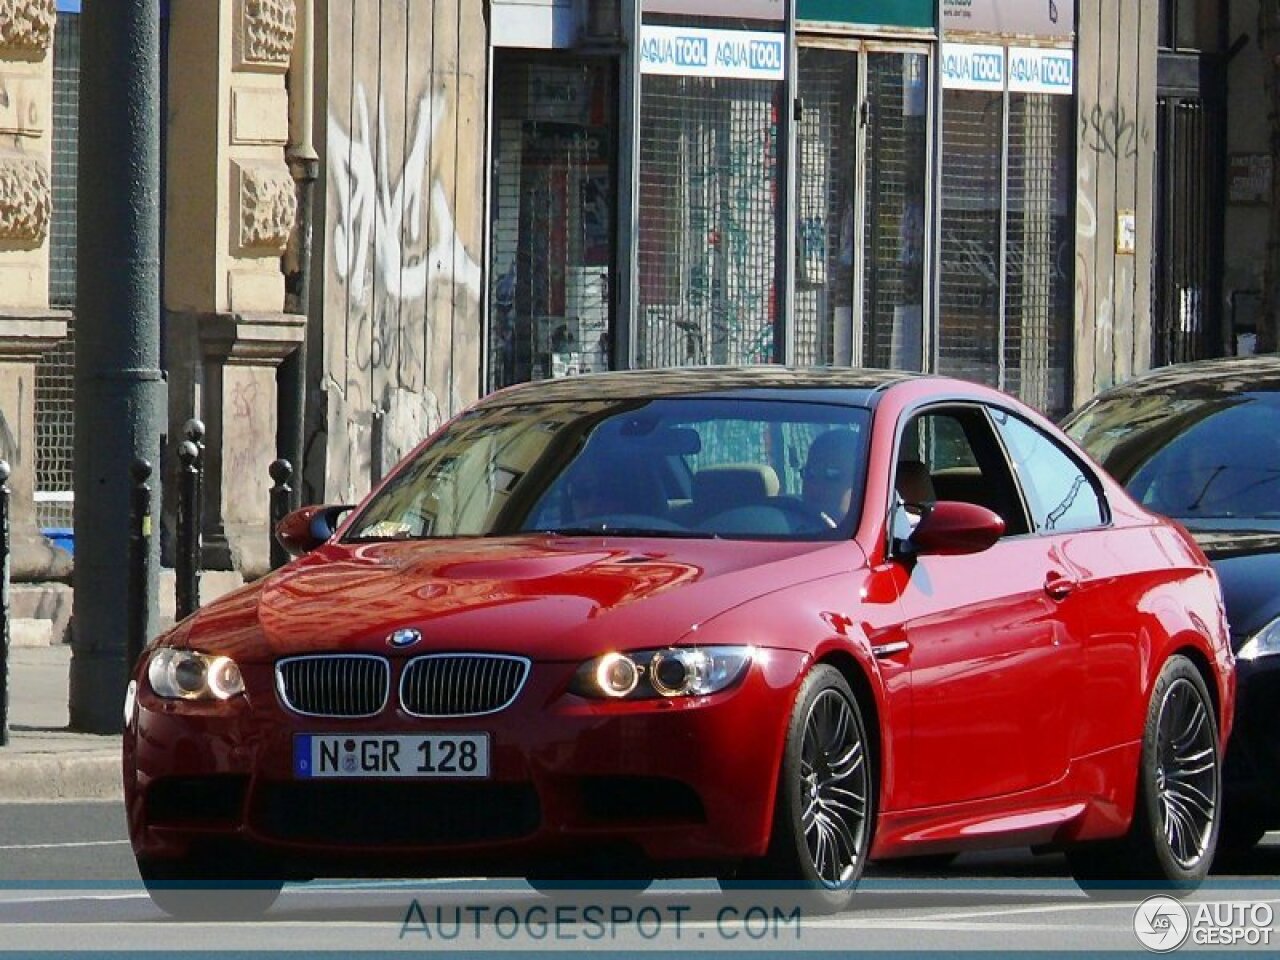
pixel 665 785
pixel 1251 775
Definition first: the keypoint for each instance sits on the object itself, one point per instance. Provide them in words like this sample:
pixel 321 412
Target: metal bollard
pixel 281 473
pixel 187 561
pixel 4 601
pixel 139 559
pixel 193 430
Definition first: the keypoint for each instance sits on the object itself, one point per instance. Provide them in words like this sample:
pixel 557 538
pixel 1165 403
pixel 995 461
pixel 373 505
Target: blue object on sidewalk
pixel 63 537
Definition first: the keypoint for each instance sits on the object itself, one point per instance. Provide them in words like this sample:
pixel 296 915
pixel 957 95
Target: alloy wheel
pixel 1186 773
pixel 834 787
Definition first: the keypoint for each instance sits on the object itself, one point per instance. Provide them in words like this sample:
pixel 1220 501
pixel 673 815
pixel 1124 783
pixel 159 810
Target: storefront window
pixel 896 159
pixel 553 202
pixel 826 139
pixel 708 220
pixel 969 325
pixel 860 235
pixel 1039 295
pixel 1007 229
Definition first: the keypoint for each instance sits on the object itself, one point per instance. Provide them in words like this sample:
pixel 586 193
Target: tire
pixel 1178 812
pixel 824 812
pixel 196 889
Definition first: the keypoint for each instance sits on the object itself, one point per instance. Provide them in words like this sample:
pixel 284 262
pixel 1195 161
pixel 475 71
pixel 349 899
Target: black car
pixel 1200 442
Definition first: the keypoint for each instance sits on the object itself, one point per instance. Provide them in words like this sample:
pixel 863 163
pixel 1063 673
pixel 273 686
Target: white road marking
pixel 67 845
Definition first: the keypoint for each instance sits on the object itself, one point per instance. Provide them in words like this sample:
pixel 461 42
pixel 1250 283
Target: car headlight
pixel 1264 643
pixel 670 672
pixel 187 675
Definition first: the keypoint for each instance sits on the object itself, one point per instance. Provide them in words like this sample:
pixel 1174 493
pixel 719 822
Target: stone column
pixel 27 325
pixel 231 206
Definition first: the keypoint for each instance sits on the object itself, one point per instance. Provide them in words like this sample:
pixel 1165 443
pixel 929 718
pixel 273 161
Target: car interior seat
pixel 725 486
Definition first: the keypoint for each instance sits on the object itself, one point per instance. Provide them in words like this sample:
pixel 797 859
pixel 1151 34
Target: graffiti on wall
pixel 382 216
pixel 1112 131
pixel 396 251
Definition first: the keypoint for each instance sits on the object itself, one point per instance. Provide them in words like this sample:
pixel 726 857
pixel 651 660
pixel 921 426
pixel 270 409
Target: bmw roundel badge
pixel 405 637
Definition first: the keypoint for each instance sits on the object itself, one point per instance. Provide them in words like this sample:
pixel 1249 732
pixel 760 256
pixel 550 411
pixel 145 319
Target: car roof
pixel 1255 374
pixel 845 385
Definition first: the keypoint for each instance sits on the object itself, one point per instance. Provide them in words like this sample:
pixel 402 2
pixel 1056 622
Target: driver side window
pixel 951 453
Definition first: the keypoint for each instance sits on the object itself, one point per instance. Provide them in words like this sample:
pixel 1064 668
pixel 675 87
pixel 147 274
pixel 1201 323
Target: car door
pixel 992 669
pixel 1090 577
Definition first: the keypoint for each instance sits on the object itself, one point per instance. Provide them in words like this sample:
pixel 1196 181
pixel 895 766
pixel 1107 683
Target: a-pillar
pixel 230 208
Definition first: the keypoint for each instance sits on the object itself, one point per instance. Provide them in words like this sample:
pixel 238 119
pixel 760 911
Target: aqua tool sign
pixel 692 52
pixel 1034 70
pixel 972 67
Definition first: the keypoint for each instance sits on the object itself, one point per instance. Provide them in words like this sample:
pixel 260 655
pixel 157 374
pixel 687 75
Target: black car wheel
pixel 1171 841
pixel 825 805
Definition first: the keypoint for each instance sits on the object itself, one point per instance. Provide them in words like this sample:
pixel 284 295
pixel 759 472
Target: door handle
pixel 1059 587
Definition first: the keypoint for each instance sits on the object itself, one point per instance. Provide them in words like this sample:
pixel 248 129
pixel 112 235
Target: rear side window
pixel 1060 493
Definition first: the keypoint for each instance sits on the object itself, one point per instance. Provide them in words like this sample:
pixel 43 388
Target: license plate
pixel 378 756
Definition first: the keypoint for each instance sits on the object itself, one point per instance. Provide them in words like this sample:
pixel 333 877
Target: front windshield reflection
pixel 670 467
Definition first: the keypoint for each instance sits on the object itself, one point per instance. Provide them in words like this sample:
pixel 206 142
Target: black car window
pixel 1192 456
pixel 1061 494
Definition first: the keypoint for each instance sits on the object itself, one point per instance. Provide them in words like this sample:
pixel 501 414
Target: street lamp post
pixel 119 389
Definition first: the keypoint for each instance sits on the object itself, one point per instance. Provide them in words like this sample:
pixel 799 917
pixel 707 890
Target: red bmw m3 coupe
pixel 751 623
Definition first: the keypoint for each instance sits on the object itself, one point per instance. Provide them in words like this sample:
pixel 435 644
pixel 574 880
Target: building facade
pixel 375 213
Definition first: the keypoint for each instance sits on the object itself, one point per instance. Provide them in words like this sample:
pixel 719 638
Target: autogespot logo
pixel 1161 924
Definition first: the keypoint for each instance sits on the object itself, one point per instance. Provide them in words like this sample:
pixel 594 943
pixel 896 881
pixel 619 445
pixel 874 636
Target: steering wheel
pixel 810 519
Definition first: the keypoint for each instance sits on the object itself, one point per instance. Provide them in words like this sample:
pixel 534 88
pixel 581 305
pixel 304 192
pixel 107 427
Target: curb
pixel 93 775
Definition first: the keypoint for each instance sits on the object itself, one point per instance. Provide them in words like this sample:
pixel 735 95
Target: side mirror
pixel 307 528
pixel 952 528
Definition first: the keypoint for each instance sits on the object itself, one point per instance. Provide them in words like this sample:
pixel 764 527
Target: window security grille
pixel 55 373
pixel 552 228
pixel 708 221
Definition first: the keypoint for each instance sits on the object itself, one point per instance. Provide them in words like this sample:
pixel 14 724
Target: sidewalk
pixel 43 759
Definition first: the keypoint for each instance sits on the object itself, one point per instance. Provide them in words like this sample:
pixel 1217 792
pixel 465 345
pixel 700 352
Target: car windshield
pixel 672 467
pixel 1192 457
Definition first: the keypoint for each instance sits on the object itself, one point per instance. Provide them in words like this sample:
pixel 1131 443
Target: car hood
pixel 544 597
pixel 1248 565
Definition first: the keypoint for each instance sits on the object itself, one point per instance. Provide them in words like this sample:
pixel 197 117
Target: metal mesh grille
pixel 1186 318
pixel 334 685
pixel 66 144
pixel 553 209
pixel 459 685
pixel 825 146
pixel 1039 293
pixel 896 161
pixel 708 227
pixel 969 325
pixel 55 372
